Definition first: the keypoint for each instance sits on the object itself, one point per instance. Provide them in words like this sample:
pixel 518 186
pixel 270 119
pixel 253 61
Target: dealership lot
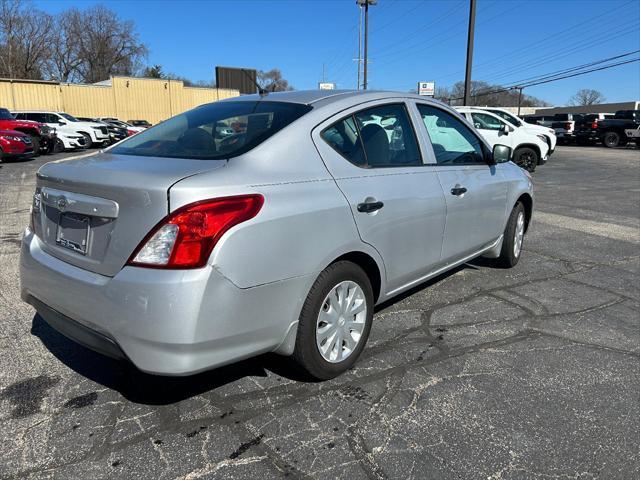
pixel 481 373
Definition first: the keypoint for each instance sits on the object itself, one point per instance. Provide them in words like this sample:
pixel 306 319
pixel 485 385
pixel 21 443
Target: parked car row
pixel 532 145
pixel 610 129
pixel 27 133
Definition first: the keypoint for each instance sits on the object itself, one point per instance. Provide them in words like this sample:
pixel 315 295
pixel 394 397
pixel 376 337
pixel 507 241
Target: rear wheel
pixel 612 139
pixel 513 238
pixel 335 321
pixel 526 158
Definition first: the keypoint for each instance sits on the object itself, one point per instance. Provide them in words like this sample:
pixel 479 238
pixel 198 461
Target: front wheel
pixel 526 158
pixel 335 321
pixel 58 146
pixel 513 238
pixel 87 139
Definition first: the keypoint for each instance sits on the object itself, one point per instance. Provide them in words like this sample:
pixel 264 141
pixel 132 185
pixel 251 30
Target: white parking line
pixel 602 229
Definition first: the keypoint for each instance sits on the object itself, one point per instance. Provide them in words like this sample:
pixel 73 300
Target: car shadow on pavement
pixel 139 387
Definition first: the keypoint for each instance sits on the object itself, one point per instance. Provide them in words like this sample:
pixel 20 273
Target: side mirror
pixel 501 154
pixel 506 129
pixel 61 122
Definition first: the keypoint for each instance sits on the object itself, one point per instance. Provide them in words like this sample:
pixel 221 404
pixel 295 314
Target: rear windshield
pixel 214 131
pixel 5 114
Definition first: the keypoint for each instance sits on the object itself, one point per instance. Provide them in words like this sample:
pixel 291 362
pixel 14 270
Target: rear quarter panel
pixel 305 222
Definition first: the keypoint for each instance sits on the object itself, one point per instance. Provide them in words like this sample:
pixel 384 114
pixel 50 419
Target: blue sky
pixel 410 40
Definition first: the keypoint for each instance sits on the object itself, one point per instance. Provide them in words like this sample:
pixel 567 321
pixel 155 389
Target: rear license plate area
pixel 73 232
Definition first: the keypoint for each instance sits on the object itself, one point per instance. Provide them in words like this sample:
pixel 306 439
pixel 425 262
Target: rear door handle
pixel 369 207
pixel 457 190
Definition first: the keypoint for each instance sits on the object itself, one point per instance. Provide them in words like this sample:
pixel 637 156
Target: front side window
pixel 378 137
pixel 453 142
pixel 482 121
pixel 5 114
pixel 214 131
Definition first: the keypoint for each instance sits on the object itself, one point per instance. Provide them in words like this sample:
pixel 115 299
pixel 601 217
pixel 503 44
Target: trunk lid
pixel 95 209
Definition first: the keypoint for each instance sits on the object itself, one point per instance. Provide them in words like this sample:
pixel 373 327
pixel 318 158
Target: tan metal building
pixel 126 98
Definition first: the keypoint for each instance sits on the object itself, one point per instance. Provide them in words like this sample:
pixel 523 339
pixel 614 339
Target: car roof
pixel 326 97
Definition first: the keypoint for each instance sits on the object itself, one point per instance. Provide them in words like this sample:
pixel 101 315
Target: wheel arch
pixel 370 267
pixel 527 203
pixel 533 146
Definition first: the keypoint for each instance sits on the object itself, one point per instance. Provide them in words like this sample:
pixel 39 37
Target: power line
pixel 545 59
pixel 550 78
pixel 551 40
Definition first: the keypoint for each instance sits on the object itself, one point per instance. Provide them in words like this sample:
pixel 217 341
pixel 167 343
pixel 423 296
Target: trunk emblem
pixel 62 203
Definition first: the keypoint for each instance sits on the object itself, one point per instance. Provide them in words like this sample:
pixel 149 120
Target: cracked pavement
pixel 487 373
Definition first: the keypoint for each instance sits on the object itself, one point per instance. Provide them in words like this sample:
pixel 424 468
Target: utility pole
pixel 467 76
pixel 366 4
pixel 519 98
pixel 359 43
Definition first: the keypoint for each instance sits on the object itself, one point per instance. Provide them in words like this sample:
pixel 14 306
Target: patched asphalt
pixel 482 373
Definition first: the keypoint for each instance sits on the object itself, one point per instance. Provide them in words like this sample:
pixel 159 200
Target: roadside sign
pixel 326 86
pixel 427 88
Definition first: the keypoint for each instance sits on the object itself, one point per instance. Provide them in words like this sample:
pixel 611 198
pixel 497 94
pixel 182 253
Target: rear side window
pixel 453 142
pixel 215 131
pixel 378 137
pixel 507 117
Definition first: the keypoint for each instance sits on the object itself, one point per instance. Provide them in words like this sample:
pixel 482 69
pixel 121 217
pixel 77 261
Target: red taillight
pixel 567 126
pixel 594 124
pixel 186 237
pixel 131 132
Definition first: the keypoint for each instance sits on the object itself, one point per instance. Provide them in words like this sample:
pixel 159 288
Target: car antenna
pixel 261 91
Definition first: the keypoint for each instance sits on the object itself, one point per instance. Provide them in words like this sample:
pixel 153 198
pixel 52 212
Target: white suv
pixel 548 133
pixel 94 133
pixel 529 149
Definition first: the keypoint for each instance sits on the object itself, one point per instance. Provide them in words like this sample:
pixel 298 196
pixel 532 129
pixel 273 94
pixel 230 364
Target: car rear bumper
pixel 588 135
pixel 168 322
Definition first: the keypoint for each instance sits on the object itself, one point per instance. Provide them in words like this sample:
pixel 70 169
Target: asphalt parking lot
pixel 482 373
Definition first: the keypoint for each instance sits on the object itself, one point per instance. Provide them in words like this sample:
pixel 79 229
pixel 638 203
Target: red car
pixel 42 136
pixel 15 145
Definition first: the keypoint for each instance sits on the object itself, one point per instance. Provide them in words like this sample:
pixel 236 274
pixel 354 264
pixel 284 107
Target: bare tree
pixel 586 96
pixel 272 81
pixel 106 45
pixel 24 40
pixel 65 52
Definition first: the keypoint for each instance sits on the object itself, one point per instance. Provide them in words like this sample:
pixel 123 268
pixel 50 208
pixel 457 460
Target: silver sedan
pixel 184 248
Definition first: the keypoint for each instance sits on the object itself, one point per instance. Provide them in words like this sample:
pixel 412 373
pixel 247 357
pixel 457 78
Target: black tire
pixel 35 141
pixel 526 158
pixel 87 140
pixel 508 257
pixel 306 353
pixel 611 139
pixel 58 146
